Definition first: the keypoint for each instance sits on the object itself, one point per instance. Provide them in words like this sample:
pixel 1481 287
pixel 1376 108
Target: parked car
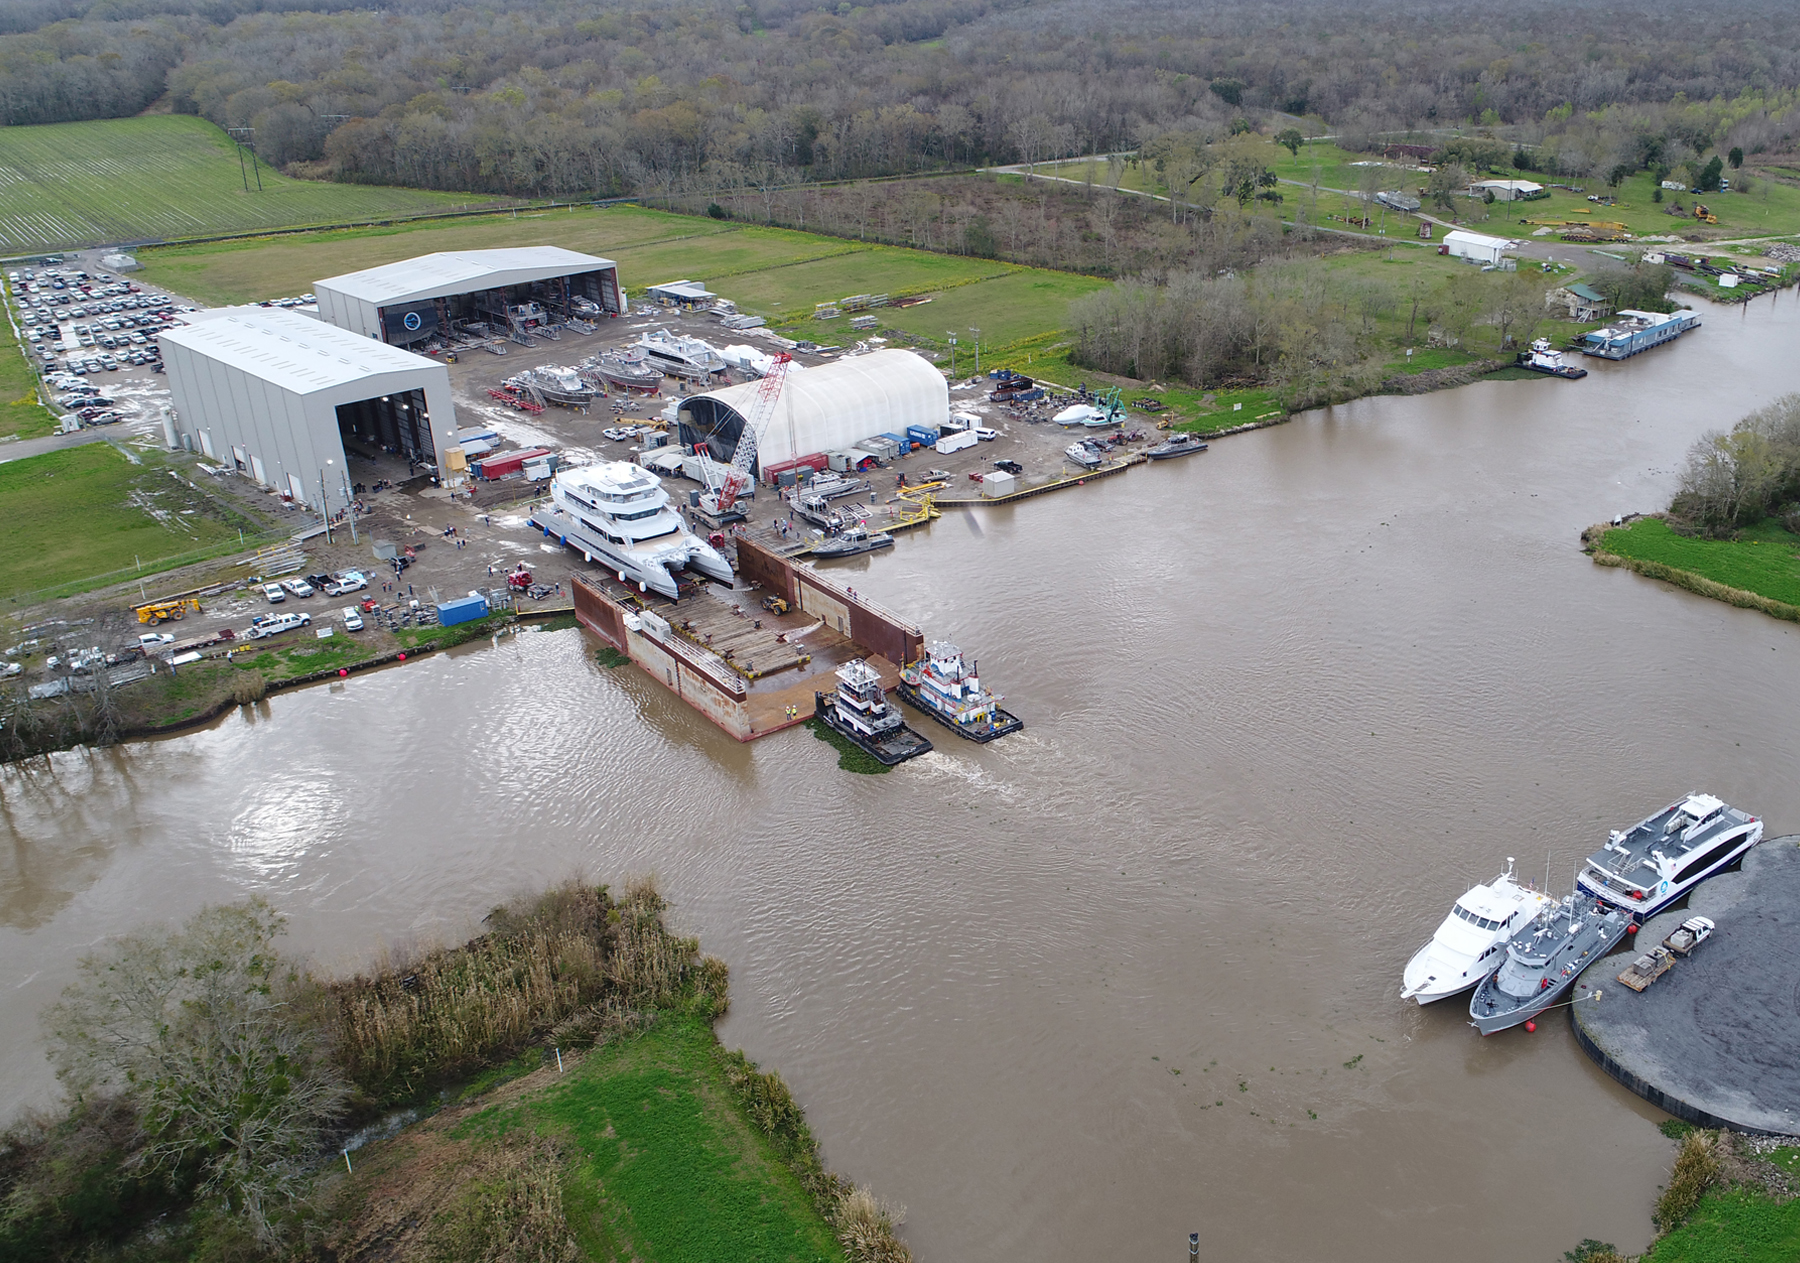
pixel 275 593
pixel 280 623
pixel 353 620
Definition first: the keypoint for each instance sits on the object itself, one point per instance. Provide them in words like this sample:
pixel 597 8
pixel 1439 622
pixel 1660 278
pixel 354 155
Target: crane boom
pixel 762 410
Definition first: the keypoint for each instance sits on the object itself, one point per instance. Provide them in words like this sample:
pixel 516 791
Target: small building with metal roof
pixel 278 395
pixel 680 293
pixel 504 292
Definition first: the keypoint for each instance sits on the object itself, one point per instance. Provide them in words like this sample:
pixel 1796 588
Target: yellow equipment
pixel 155 611
pixel 775 604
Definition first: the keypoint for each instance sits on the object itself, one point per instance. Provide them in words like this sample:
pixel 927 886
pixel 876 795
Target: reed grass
pixel 509 1211
pixel 1696 1169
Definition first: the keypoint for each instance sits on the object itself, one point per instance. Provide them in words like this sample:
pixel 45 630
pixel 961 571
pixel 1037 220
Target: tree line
pixel 1738 477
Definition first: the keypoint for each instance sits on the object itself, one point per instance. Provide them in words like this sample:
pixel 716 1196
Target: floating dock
pixel 1712 1040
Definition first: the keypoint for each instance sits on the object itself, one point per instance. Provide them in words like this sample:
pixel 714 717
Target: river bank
pixel 1758 569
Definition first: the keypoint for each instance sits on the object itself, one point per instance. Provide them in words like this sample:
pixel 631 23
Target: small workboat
pixel 1082 455
pixel 1176 445
pixel 1543 358
pixel 860 713
pixel 1471 942
pixel 949 690
pixel 629 368
pixel 1543 960
pixel 852 541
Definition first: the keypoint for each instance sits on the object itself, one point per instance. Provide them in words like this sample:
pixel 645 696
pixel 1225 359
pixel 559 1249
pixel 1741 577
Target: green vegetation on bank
pixel 1763 559
pixel 578 1105
pixel 164 176
pixel 90 511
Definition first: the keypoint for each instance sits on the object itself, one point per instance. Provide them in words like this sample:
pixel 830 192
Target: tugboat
pixel 1543 358
pixel 1471 942
pixel 946 688
pixel 1176 445
pixel 1649 866
pixel 859 712
pixel 852 541
pixel 1544 959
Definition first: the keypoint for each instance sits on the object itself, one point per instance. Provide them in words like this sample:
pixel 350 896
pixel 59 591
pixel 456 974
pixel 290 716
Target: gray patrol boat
pixel 1544 959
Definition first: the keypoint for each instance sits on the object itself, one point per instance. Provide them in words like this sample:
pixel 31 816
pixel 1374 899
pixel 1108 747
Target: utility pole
pixel 953 357
pixel 324 507
pixel 350 506
pixel 977 333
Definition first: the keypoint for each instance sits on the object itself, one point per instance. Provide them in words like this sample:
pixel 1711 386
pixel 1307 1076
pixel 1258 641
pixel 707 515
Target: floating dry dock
pixel 1712 1042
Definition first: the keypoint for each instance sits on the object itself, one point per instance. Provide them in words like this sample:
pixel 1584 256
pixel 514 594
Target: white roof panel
pixel 459 272
pixel 288 350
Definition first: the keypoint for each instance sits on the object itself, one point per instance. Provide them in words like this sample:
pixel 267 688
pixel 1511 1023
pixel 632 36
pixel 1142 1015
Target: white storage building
pixel 274 394
pixel 415 300
pixel 825 409
pixel 1472 245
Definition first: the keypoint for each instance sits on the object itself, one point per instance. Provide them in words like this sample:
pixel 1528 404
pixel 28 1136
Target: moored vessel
pixel 1649 866
pixel 1635 331
pixel 852 541
pixel 1176 445
pixel 1471 942
pixel 1546 359
pixel 948 689
pixel 859 711
pixel 619 515
pixel 1543 960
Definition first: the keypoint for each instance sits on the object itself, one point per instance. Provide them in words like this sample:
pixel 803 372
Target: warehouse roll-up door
pixel 296 488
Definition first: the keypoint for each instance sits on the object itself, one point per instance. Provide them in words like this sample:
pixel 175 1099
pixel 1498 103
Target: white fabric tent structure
pixel 824 409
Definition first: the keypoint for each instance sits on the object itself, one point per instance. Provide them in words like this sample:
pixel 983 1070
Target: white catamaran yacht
pixel 1471 942
pixel 1649 866
pixel 618 514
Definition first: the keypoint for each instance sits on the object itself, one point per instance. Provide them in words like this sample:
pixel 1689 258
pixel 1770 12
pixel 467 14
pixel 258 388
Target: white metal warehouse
pixel 476 291
pixel 823 409
pixel 276 394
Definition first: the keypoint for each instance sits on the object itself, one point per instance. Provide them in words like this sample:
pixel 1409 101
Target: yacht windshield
pixel 1477 920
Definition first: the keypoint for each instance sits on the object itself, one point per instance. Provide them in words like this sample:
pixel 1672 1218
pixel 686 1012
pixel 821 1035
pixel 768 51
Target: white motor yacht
pixel 618 514
pixel 680 356
pixel 1471 943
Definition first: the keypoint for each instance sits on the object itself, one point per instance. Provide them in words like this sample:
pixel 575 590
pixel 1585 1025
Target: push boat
pixel 1471 942
pixel 618 514
pixel 1543 358
pixel 1649 866
pixel 629 368
pixel 852 541
pixel 949 690
pixel 1176 445
pixel 859 712
pixel 1543 960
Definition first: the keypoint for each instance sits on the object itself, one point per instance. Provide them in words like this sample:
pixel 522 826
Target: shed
pixel 680 293
pixel 1474 246
pixel 998 483
pixel 509 462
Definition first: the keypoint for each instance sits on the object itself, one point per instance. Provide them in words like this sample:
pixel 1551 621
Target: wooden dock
pixel 1042 489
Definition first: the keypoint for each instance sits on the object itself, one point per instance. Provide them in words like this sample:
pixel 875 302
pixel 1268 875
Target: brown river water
pixel 1135 971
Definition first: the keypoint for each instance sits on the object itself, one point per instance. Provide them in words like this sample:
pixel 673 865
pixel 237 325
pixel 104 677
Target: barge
pixel 1636 331
pixel 949 690
pixel 860 713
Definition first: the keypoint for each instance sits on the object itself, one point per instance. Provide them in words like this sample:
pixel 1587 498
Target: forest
pixel 554 98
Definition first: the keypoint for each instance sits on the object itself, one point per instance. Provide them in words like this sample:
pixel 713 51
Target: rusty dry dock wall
pixel 871 627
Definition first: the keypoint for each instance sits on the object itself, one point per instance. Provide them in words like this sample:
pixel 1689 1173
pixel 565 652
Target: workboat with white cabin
pixel 852 541
pixel 1083 455
pixel 1543 960
pixel 629 368
pixel 681 356
pixel 1649 866
pixel 860 712
pixel 618 514
pixel 557 384
pixel 948 689
pixel 1471 942
pixel 1546 359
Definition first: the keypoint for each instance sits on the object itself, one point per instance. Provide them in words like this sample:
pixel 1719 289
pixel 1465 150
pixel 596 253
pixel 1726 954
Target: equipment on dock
pixel 719 498
pixel 176 608
pixel 1646 969
pixel 775 604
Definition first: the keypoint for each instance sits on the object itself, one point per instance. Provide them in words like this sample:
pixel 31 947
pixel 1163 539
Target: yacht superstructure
pixel 618 514
pixel 680 356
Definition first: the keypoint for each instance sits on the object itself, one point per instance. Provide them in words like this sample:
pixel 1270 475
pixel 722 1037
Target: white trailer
pixel 955 441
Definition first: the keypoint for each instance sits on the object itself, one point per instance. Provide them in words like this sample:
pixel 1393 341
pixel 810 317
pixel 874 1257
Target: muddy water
pixel 1132 973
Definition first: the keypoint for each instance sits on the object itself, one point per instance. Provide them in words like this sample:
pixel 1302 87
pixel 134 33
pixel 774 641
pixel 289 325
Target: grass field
pixel 88 511
pixel 668 1169
pixel 20 412
pixel 1734 1227
pixel 1764 560
pixel 160 177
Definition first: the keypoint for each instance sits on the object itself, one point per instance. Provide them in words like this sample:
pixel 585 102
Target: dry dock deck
pixel 1712 1041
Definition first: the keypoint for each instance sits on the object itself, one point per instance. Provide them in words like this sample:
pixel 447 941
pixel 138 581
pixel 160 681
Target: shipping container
pixel 509 463
pixel 816 462
pixel 998 483
pixel 464 609
pixel 923 435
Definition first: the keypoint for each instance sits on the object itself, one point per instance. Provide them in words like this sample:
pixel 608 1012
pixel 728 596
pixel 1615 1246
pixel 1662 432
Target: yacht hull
pixel 1419 986
pixel 651 570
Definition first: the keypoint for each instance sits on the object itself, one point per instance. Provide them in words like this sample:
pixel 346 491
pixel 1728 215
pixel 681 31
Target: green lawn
pixel 1734 1227
pixel 1765 560
pixel 667 1167
pixel 160 177
pixel 87 511
pixel 20 412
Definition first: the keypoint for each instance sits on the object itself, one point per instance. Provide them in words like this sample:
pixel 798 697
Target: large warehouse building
pixel 275 394
pixel 496 291
pixel 823 409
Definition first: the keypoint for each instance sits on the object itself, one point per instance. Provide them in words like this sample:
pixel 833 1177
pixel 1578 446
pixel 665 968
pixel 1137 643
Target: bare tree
pixel 201 1029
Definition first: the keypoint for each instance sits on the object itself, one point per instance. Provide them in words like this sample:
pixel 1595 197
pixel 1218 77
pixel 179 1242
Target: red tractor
pixel 519 580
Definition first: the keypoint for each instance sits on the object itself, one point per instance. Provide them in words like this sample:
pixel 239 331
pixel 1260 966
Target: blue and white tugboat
pixel 949 690
pixel 1649 866
pixel 1544 959
pixel 860 712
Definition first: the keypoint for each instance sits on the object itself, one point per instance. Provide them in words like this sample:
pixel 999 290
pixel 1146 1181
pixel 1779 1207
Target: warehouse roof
pixel 459 272
pixel 289 350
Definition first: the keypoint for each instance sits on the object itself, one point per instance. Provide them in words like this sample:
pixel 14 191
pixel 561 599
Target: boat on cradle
pixel 1635 331
pixel 619 515
pixel 1176 445
pixel 1083 455
pixel 1471 942
pixel 557 385
pixel 1545 359
pixel 1655 862
pixel 949 690
pixel 629 368
pixel 852 541
pixel 1543 960
pixel 832 486
pixel 860 712
pixel 821 513
pixel 681 356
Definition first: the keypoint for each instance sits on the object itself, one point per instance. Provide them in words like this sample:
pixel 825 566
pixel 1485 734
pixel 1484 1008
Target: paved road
pixel 49 443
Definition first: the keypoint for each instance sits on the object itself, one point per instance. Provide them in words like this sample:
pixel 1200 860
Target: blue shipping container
pixel 465 609
pixel 924 435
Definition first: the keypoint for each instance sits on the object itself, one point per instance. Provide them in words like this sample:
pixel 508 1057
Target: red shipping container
pixel 508 462
pixel 815 462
